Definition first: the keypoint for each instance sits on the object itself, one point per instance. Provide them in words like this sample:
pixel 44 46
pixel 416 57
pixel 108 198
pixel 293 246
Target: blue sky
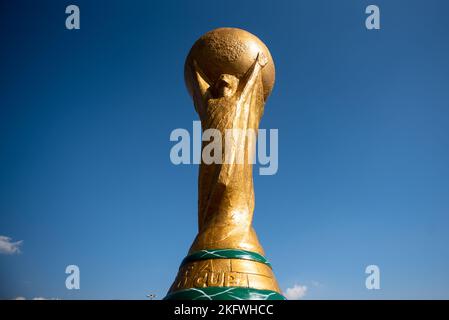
pixel 363 120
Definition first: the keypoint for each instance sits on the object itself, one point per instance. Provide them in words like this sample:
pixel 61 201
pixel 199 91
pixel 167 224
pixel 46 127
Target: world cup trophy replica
pixel 229 73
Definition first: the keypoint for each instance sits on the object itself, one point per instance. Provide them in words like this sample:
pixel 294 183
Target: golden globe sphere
pixel 228 51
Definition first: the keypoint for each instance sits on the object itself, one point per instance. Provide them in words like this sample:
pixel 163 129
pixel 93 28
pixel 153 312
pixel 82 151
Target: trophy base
pixel 225 274
pixel 224 293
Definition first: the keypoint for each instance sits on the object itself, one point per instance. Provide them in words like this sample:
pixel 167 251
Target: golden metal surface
pixel 229 73
pixel 225 71
pixel 225 273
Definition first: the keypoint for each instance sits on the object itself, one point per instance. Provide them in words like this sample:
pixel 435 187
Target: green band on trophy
pixel 224 293
pixel 225 254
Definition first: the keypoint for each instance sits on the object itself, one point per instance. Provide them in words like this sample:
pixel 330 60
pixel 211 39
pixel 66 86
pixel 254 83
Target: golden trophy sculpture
pixel 229 73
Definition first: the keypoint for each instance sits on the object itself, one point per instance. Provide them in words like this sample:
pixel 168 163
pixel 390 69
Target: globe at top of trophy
pixel 228 51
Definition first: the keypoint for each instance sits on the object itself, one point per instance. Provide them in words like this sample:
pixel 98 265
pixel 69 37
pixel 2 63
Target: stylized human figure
pixel 226 195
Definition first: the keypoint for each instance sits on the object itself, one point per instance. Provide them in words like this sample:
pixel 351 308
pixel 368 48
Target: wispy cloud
pixel 9 247
pixel 296 292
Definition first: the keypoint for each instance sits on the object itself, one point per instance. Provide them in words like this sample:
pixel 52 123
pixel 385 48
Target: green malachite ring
pixel 224 293
pixel 225 254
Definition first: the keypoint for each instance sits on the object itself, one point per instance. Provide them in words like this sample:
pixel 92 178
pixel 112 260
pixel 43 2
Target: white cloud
pixel 9 247
pixel 295 293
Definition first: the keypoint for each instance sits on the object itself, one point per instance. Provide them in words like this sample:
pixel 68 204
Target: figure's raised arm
pixel 200 88
pixel 201 82
pixel 254 71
